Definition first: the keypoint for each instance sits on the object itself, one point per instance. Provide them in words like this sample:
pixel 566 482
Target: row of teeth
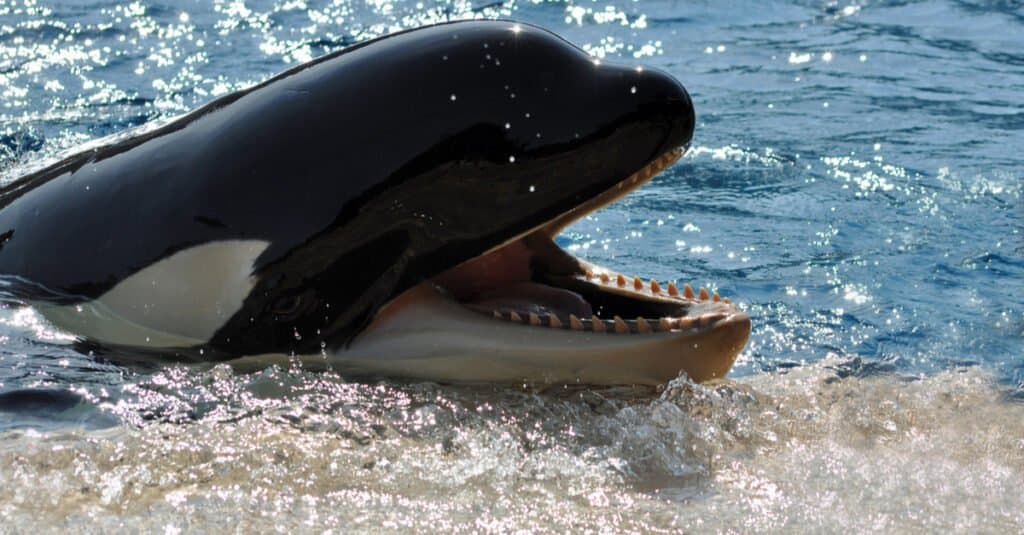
pixel 616 325
pixel 655 288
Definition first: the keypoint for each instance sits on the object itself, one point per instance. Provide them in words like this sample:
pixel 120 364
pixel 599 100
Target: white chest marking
pixel 179 301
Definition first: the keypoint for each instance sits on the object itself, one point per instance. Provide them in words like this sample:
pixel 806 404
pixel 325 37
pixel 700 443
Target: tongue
pixel 529 297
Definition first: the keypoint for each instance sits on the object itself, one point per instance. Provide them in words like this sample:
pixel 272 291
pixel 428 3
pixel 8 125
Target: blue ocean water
pixel 855 183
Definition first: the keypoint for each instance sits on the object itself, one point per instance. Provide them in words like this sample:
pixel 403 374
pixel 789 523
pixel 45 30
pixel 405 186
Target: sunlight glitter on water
pixel 811 449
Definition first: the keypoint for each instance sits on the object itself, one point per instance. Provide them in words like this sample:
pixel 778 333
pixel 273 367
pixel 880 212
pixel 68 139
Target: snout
pixel 670 104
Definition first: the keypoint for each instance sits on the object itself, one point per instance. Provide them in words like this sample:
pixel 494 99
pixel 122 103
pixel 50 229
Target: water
pixel 855 184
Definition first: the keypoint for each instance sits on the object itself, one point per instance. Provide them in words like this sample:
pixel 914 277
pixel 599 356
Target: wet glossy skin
pixel 368 171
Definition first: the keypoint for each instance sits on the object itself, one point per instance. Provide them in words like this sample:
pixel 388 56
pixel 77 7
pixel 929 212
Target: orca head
pixel 392 206
pixel 496 136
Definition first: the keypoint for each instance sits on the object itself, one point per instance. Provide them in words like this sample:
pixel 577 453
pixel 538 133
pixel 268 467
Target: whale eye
pixel 286 306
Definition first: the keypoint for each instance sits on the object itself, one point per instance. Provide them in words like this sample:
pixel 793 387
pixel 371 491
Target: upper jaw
pixel 553 228
pixel 665 306
pixel 605 301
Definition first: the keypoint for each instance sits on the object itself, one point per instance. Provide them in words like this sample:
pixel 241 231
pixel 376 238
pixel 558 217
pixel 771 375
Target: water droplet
pixel 532 188
pixel 632 90
pixel 512 159
pixel 453 97
pixel 507 126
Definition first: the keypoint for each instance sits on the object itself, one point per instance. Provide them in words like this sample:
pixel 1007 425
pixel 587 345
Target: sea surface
pixel 855 184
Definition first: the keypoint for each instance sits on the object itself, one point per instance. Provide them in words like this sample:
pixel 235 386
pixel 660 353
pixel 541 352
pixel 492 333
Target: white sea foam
pixel 805 451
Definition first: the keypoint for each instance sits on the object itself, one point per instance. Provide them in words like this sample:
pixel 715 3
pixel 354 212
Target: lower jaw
pixel 427 336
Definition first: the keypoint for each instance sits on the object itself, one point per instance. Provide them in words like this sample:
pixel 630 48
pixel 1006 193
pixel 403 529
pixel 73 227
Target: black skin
pixel 359 167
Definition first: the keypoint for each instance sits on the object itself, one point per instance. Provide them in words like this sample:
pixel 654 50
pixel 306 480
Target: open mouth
pixel 533 282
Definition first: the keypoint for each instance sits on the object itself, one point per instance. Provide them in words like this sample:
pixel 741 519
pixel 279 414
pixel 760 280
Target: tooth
pixel 534 319
pixel 638 284
pixel 597 324
pixel 642 326
pixel 726 301
pixel 497 315
pixel 515 317
pixel 665 324
pixel 672 290
pixel 685 323
pixel 604 278
pixel 620 326
pixel 575 323
pixel 621 280
pixel 589 274
pixel 715 297
pixel 655 287
pixel 688 291
pixel 703 294
pixel 554 322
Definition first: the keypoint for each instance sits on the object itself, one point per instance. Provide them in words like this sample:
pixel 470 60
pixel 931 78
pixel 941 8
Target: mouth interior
pixel 533 281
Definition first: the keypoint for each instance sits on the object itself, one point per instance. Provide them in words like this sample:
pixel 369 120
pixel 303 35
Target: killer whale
pixel 388 206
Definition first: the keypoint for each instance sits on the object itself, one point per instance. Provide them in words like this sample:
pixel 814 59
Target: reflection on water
pixel 855 184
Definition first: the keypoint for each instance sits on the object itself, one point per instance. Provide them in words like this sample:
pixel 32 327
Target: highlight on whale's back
pixel 390 207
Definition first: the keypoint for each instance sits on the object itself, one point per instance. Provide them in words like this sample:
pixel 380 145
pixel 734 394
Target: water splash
pixel 811 449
